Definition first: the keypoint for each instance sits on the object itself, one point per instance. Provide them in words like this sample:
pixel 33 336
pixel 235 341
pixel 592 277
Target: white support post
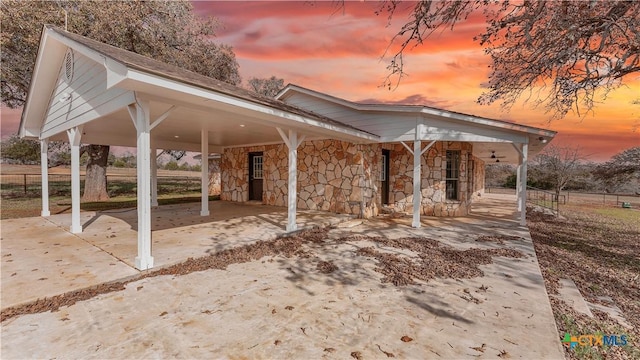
pixel 44 165
pixel 204 168
pixel 74 135
pixel 417 194
pixel 292 141
pixel 518 176
pixel 518 189
pixel 417 178
pixel 292 196
pixel 523 185
pixel 154 176
pixel 140 116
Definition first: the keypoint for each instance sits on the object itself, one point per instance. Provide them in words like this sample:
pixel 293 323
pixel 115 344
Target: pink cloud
pixel 10 120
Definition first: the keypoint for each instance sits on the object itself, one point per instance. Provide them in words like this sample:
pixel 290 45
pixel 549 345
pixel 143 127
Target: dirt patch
pixel 433 260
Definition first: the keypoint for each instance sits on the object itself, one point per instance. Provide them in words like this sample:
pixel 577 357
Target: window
pixel 453 169
pixel 383 168
pixel 257 167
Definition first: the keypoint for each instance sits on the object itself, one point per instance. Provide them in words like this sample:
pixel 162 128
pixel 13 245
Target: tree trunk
pixel 95 181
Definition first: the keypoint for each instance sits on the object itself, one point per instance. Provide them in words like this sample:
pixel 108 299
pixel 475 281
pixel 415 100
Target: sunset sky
pixel 338 51
pixel 316 45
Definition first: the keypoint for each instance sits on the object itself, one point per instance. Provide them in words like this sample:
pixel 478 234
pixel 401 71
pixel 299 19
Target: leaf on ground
pixel 386 352
pixel 405 338
pixel 356 355
pixel 326 267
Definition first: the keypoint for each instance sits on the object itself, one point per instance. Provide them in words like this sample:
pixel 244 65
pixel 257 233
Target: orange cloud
pixel 338 51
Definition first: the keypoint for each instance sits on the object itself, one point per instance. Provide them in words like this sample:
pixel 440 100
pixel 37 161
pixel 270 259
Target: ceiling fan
pixel 496 157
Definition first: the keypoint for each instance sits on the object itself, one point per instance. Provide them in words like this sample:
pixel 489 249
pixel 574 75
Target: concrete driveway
pixel 283 307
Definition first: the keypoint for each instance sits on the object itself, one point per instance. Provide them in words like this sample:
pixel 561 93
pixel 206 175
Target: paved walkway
pixel 284 308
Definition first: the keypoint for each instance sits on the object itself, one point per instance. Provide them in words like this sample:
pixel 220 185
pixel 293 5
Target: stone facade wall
pixel 333 175
pixel 343 177
pixel 214 176
pixel 478 178
pixel 433 175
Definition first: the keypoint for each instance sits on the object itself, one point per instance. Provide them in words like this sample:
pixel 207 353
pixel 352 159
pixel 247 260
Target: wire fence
pixel 545 199
pixel 577 198
pixel 30 185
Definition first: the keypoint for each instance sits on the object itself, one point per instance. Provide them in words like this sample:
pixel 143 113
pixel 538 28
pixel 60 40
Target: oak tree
pixel 620 170
pixel 556 167
pixel 266 86
pixel 168 31
pixel 563 55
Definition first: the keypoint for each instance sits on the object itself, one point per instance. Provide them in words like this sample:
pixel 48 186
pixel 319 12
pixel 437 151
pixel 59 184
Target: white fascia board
pixel 416 108
pixel 446 137
pixel 76 46
pixel 27 129
pixel 116 72
pixel 162 82
pixel 488 122
pixel 282 92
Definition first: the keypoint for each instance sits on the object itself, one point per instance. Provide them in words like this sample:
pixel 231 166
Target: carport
pixel 84 91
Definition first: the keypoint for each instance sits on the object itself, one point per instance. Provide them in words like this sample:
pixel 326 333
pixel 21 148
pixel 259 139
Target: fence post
pixel 24 176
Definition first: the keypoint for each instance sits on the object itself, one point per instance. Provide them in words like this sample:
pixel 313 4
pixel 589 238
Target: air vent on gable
pixel 68 65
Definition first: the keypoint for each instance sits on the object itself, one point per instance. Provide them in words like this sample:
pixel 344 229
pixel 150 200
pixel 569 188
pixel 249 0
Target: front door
pixel 255 176
pixel 384 177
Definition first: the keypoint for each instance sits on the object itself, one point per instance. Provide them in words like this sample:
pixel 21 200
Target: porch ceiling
pixel 505 152
pixel 181 130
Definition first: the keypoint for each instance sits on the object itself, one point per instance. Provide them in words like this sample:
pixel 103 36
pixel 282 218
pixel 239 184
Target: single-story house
pixel 303 150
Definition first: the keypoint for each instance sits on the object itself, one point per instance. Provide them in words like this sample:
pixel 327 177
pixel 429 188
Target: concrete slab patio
pixel 280 307
pixel 40 258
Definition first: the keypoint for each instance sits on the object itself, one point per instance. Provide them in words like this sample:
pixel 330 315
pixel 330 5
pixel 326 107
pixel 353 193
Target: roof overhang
pixel 181 107
pixel 489 136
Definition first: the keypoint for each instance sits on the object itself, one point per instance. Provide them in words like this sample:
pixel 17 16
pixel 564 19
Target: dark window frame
pixel 452 179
